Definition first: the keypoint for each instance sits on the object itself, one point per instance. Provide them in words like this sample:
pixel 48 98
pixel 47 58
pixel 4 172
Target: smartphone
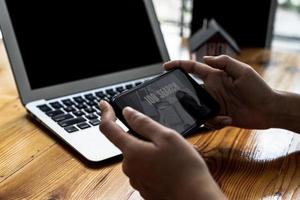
pixel 173 99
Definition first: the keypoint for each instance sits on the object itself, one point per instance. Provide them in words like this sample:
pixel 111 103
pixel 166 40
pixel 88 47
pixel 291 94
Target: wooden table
pixel 247 164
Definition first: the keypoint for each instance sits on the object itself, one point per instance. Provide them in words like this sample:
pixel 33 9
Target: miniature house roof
pixel 203 35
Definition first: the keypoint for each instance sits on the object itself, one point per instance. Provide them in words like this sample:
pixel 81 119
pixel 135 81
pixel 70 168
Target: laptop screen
pixel 64 41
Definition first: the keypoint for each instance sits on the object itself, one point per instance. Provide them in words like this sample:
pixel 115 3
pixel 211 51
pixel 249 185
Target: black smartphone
pixel 173 99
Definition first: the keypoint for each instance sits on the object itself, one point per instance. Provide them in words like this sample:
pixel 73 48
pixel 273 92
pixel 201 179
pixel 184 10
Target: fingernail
pixel 102 104
pixel 128 109
pixel 208 57
pixel 167 63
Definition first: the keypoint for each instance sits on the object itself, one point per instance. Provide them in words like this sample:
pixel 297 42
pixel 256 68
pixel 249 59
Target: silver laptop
pixel 68 55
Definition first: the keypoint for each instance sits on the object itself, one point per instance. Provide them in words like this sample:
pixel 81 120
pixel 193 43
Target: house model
pixel 211 40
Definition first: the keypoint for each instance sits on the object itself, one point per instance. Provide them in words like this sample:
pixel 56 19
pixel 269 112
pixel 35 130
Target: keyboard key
pixel 95 122
pixel 79 100
pixel 81 106
pixel 78 113
pixel 111 92
pixel 99 113
pixel 97 108
pixel 120 89
pixel 71 129
pixel 108 99
pixel 70 109
pixel 68 102
pixel 90 97
pixel 89 110
pixel 91 116
pixel 56 105
pixel 100 94
pixel 129 86
pixel 44 108
pixel 92 103
pixel 62 117
pixel 54 113
pixel 138 83
pixel 70 122
pixel 83 125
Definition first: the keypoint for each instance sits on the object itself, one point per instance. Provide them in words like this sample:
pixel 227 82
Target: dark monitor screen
pixel 64 41
pixel 246 21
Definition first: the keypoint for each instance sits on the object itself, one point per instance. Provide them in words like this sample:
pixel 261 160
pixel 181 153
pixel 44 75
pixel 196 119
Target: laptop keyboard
pixel 82 111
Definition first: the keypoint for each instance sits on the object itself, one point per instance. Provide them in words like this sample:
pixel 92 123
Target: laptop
pixel 68 55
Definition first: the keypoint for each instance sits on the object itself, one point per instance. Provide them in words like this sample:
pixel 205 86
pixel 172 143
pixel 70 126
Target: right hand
pixel 244 97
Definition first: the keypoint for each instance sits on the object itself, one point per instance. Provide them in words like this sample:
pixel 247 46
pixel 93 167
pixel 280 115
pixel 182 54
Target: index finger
pixel 230 65
pixel 199 69
pixel 112 130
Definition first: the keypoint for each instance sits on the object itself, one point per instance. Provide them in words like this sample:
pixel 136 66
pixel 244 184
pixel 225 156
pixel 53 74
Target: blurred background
pixel 175 17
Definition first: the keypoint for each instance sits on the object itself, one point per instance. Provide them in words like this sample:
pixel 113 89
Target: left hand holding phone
pixel 151 165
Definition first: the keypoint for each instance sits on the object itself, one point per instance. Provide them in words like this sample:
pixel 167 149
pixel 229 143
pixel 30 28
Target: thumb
pixel 144 125
pixel 231 66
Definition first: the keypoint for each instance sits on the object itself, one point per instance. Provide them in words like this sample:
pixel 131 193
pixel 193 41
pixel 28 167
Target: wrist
pixel 272 109
pixel 285 111
pixel 207 189
pixel 201 187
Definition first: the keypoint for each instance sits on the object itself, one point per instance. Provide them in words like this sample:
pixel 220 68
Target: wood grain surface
pixel 247 164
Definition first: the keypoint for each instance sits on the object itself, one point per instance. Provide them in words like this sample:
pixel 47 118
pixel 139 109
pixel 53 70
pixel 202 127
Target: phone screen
pixel 174 100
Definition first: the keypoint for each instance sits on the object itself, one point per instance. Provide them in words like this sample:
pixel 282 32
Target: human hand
pixel 244 97
pixel 163 167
